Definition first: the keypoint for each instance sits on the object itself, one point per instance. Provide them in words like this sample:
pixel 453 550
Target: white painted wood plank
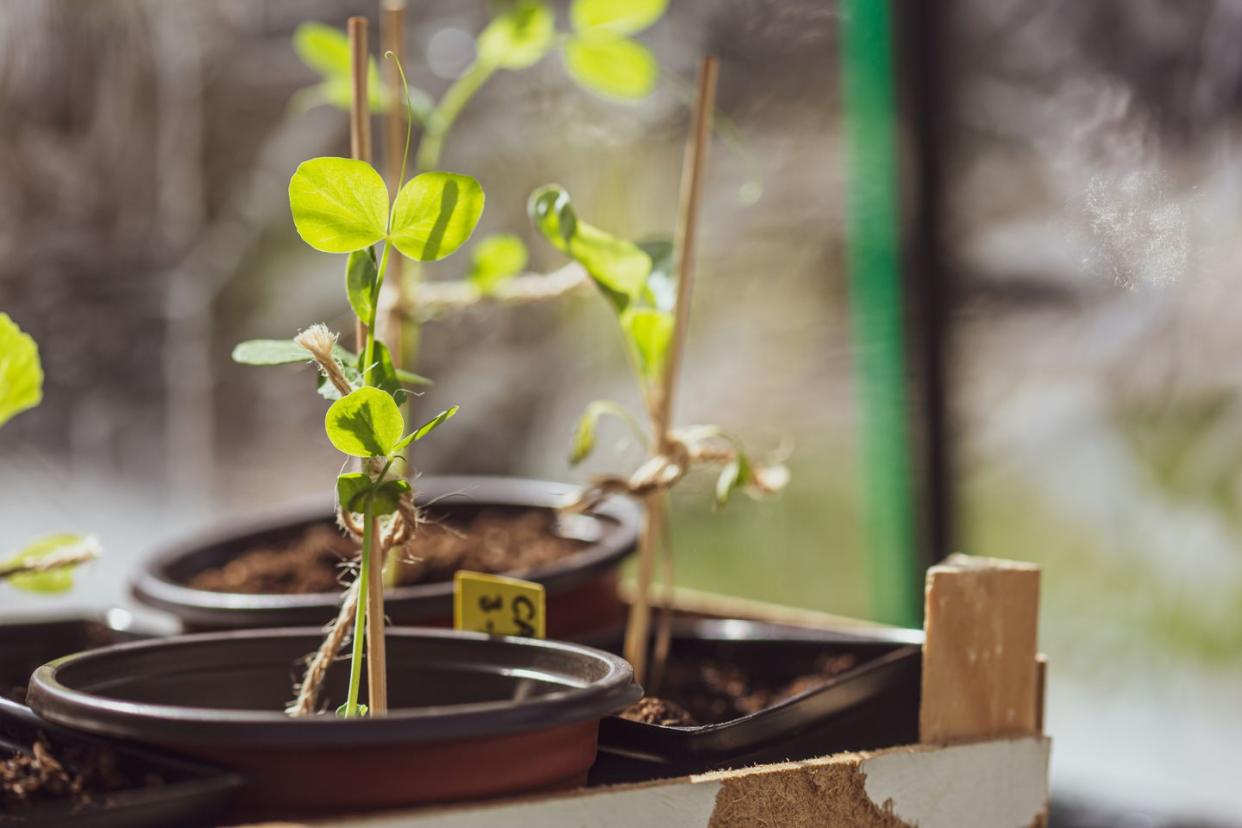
pixel 985 785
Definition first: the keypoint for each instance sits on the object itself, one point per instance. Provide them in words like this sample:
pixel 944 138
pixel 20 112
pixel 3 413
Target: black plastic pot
pixel 190 794
pixel 873 705
pixel 26 645
pixel 581 589
pixel 470 716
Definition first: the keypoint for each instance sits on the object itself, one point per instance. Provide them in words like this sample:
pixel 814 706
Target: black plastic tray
pixel 28 644
pixel 191 795
pixel 872 706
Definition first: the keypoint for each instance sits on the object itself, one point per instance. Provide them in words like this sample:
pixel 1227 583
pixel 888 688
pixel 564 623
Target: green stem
pixel 442 117
pixel 430 147
pixel 360 617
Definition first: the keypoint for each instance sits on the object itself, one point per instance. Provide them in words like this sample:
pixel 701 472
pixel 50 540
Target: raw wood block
pixel 980 677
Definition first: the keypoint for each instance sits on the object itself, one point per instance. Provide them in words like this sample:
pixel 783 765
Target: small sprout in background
pixel 494 261
pixel 46 565
pixel 638 282
pixel 325 49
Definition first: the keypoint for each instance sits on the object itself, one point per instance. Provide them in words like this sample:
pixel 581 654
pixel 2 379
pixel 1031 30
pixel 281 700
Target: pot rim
pixel 171 724
pixel 155 587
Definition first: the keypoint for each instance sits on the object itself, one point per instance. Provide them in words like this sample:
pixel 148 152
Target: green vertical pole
pixel 873 258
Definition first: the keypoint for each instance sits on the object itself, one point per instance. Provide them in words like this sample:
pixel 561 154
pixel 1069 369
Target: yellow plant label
pixel 498 605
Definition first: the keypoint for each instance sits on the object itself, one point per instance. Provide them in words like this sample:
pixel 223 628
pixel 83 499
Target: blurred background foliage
pixel 1093 180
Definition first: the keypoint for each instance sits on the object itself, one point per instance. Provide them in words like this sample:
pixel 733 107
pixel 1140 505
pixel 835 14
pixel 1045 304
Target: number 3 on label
pixel 498 605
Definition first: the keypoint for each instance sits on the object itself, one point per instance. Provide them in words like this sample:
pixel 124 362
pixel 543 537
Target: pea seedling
pixel 650 301
pixel 47 565
pixel 600 54
pixel 342 206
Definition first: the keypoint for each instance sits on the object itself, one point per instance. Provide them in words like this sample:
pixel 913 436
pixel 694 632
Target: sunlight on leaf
pixel 612 66
pixel 21 374
pixel 619 267
pixel 496 260
pixel 365 423
pixel 54 580
pixel 434 214
pixel 622 17
pixel 518 37
pixel 270 352
pixel 339 204
pixel 648 332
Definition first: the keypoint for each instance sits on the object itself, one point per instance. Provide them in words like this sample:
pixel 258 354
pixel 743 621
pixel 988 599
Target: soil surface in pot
pixel 493 541
pixel 77 774
pixel 701 691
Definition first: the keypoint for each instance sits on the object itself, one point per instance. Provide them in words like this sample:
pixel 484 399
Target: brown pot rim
pixel 619 518
pixel 68 691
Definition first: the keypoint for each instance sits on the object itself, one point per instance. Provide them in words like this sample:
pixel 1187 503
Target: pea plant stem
pixel 360 616
pixel 661 406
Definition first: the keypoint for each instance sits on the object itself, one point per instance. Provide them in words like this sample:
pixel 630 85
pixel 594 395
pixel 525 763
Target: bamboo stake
pixel 693 165
pixel 392 25
pixel 360 148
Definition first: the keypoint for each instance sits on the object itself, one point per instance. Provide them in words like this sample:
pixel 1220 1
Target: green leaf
pixel 496 260
pixel 617 266
pixel 343 710
pixel 21 374
pixel 612 66
pixel 584 431
pixel 426 428
pixel 326 50
pixel 351 488
pixel 54 580
pixel 270 352
pixel 623 17
pixel 434 214
pixel 648 333
pixel 364 423
pixel 361 273
pixel 383 373
pixel 339 204
pixel 735 476
pixel 387 494
pixel 518 37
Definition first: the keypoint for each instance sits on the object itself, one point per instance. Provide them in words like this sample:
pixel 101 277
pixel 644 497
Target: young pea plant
pixel 46 565
pixel 342 206
pixel 642 290
pixel 599 53
pixel 638 282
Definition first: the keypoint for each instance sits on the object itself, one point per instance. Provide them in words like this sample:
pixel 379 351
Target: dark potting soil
pixel 492 542
pixel 80 774
pixel 706 691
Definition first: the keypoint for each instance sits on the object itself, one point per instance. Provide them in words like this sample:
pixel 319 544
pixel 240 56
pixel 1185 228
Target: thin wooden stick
pixel 392 26
pixel 360 147
pixel 693 165
pixel 359 117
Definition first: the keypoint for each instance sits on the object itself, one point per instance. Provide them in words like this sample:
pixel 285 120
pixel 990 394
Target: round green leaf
pixel 21 375
pixel 623 17
pixel 649 333
pixel 54 580
pixel 364 423
pixel 339 204
pixel 497 259
pixel 519 37
pixel 612 66
pixel 434 214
